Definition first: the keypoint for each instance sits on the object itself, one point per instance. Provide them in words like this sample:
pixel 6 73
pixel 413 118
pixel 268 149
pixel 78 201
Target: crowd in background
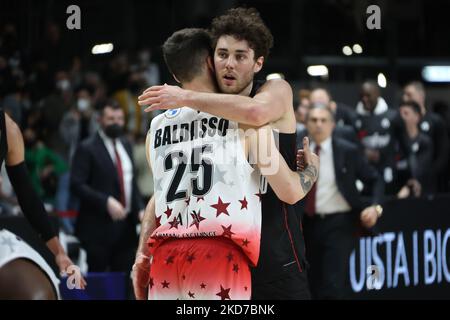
pixel 56 101
pixel 408 144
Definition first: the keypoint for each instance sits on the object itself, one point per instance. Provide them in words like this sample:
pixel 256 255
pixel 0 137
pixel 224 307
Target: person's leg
pixel 97 257
pixel 62 201
pixel 122 260
pixel 22 279
pixel 314 251
pixel 291 287
pixel 336 251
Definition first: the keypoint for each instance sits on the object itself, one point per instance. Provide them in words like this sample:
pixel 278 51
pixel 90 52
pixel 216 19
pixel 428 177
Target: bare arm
pixel 268 105
pixel 289 186
pixel 148 225
pixel 141 267
pixel 32 207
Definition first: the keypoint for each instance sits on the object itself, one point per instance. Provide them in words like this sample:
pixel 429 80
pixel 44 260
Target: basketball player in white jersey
pixel 24 274
pixel 241 44
pixel 205 218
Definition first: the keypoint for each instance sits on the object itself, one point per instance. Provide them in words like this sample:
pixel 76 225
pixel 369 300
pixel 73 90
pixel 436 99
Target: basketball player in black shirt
pixel 241 43
pixel 22 278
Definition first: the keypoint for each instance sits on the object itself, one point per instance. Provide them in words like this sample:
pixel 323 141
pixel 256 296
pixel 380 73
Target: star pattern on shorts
pixel 224 293
pixel 230 257
pixel 203 286
pixel 200 198
pixel 221 207
pixel 245 242
pixel 165 284
pixel 235 268
pixel 190 258
pixel 151 283
pixel 169 259
pixel 191 294
pixel 227 231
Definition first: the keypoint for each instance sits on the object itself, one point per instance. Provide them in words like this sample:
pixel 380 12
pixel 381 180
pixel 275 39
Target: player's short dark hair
pixel 244 24
pixel 412 105
pixel 185 52
pixel 109 103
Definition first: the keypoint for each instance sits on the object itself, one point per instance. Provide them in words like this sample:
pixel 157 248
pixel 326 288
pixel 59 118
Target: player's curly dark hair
pixel 244 24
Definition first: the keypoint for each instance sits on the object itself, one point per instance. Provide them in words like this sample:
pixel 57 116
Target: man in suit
pixel 334 208
pixel 103 178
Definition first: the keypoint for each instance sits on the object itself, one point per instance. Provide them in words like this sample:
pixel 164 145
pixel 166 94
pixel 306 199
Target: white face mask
pixel 63 84
pixel 83 104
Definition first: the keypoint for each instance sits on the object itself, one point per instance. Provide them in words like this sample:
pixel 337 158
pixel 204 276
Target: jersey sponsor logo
pixel 170 114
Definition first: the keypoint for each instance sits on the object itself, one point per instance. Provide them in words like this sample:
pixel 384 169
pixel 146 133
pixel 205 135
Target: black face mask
pixel 30 143
pixel 113 131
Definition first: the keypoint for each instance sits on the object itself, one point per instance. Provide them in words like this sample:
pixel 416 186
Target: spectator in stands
pixel 53 109
pixel 433 126
pixel 377 129
pixel 103 178
pixel 80 122
pixel 136 120
pixel 44 165
pixel 334 208
pixel 419 180
pixel 344 115
pixel 301 107
pixel 144 176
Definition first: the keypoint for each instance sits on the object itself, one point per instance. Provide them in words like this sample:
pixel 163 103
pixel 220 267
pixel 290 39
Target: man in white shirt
pixel 103 178
pixel 334 206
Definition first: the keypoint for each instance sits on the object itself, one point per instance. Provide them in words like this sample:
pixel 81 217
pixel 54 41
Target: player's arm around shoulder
pixel 289 186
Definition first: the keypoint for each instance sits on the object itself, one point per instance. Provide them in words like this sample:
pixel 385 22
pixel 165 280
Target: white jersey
pixel 204 185
pixel 12 248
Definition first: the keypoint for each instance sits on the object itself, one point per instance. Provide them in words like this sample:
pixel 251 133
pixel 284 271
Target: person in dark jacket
pixel 103 179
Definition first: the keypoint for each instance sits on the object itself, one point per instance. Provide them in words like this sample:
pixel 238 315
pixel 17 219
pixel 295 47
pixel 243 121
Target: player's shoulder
pixel 280 85
pixel 12 129
pixel 172 115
